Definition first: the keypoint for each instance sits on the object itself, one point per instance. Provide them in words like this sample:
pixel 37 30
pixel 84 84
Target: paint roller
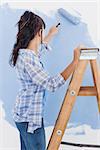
pixel 70 15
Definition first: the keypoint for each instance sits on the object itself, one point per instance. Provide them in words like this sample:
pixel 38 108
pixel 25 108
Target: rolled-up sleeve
pixel 41 77
pixel 45 48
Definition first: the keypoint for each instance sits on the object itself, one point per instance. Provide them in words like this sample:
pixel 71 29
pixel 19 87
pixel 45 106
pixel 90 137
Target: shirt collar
pixel 28 51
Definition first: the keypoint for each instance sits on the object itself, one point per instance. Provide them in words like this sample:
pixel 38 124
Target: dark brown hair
pixel 28 26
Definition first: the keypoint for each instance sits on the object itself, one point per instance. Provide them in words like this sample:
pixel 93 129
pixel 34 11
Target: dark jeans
pixel 31 141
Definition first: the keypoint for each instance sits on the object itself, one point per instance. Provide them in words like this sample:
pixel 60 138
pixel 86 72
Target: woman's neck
pixel 33 45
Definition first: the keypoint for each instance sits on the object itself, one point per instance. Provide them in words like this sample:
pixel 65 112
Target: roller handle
pixel 57 25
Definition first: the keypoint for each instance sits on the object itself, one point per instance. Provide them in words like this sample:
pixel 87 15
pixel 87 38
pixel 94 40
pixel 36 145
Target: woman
pixel 34 80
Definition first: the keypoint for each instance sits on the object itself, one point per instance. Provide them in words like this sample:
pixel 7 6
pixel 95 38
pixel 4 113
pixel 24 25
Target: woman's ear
pixel 40 33
pixel 40 36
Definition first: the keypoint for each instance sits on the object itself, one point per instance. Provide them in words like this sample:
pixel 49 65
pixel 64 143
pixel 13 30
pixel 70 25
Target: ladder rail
pixel 68 102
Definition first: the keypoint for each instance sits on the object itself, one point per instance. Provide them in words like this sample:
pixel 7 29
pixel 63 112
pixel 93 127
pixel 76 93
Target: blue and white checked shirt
pixel 34 80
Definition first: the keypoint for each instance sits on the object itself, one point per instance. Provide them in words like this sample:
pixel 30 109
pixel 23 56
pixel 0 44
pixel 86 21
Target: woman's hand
pixel 77 53
pixel 53 31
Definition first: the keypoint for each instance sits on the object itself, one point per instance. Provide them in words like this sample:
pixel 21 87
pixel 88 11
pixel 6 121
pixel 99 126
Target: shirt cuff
pixel 47 46
pixel 61 79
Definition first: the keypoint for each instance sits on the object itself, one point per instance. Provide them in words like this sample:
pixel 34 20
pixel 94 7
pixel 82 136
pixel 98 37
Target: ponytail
pixel 28 26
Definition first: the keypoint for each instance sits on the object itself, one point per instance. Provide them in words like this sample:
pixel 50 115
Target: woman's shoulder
pixel 24 57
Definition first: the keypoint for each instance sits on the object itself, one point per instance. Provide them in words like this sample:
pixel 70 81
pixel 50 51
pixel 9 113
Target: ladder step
pixel 80 145
pixel 87 91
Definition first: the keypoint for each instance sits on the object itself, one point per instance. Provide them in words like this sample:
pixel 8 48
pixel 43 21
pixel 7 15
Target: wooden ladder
pixel 73 91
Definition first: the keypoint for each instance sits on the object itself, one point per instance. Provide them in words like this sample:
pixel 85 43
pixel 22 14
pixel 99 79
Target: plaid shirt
pixel 34 80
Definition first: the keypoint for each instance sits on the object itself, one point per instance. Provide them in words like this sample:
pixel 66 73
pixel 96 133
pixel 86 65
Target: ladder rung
pixel 87 91
pixel 80 145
